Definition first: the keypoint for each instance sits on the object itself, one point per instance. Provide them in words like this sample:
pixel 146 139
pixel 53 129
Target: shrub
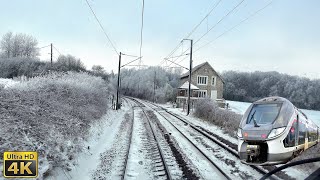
pixel 208 110
pixel 51 115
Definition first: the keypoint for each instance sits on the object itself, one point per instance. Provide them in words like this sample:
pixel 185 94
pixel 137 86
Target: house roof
pixel 186 86
pixel 198 67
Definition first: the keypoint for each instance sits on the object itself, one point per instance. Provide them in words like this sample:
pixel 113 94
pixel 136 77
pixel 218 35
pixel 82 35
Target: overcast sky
pixel 283 37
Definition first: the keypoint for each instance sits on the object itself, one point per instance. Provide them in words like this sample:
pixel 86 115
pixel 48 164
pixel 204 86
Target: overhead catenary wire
pixel 177 56
pixel 131 61
pixel 225 16
pixel 212 27
pixel 44 46
pixel 195 28
pixel 233 27
pixel 57 50
pixel 129 55
pixel 102 28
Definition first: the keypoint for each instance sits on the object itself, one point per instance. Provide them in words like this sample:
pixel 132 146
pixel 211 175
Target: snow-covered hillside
pixel 241 107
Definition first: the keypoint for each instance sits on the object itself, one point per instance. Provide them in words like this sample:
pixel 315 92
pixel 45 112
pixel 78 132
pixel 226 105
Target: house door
pixel 214 94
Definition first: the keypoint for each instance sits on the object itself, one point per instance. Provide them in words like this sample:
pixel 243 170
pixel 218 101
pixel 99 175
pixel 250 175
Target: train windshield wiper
pixel 254 120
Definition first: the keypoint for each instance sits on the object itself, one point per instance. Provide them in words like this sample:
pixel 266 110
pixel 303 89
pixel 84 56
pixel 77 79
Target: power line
pixel 108 38
pixel 196 27
pixel 128 55
pixel 130 62
pixel 57 50
pixel 177 56
pixel 233 27
pixel 44 46
pixel 225 16
pixel 141 31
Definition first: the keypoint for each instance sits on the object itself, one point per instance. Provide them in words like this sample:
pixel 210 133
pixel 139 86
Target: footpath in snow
pixel 102 140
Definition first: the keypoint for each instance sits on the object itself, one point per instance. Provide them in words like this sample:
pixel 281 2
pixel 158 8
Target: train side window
pixel 290 140
pixel 302 133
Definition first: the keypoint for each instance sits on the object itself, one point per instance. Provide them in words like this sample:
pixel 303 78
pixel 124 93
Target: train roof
pixel 285 113
pixel 273 99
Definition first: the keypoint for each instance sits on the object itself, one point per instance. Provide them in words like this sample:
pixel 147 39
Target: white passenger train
pixel 273 131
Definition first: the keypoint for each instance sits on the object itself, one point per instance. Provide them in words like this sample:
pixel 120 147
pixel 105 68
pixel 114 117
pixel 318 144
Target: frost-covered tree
pixel 69 63
pixel 19 45
pixel 150 83
pixel 244 86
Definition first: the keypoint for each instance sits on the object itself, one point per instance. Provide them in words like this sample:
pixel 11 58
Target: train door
pixel 292 138
pixel 306 144
pixel 296 130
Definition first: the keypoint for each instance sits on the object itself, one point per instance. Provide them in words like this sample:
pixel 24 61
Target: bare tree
pixel 6 44
pixel 69 63
pixel 97 69
pixel 19 45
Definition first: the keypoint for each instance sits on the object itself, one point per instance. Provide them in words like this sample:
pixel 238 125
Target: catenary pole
pixel 118 86
pixel 190 72
pixel 51 54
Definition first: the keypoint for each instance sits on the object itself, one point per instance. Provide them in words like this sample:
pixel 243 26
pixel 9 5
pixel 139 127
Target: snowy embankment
pixel 51 115
pixel 101 149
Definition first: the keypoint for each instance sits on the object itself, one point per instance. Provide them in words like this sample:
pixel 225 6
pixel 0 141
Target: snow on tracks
pixel 154 159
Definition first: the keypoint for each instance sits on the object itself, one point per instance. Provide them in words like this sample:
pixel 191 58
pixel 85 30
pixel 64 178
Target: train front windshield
pixel 263 113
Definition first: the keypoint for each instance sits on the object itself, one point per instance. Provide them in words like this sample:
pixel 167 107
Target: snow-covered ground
pixel 7 82
pixel 101 140
pixel 227 162
pixel 199 122
pixel 241 107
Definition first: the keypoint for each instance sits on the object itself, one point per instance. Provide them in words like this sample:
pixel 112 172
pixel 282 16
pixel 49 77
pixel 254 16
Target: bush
pixel 208 110
pixel 51 115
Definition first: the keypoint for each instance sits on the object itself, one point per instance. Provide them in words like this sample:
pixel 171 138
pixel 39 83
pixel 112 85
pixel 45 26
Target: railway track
pixel 128 147
pixel 205 133
pixel 158 155
pixel 156 108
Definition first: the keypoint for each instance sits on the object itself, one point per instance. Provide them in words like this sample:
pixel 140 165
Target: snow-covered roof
pixel 186 86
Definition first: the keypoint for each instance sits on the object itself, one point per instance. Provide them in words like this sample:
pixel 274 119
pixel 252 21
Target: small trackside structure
pixel 205 83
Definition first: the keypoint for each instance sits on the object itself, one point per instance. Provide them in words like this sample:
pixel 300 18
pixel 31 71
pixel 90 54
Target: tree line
pixel 19 56
pixel 251 86
pixel 152 83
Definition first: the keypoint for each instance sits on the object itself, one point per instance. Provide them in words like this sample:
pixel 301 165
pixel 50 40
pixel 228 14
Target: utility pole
pixel 51 54
pixel 118 86
pixel 190 71
pixel 154 86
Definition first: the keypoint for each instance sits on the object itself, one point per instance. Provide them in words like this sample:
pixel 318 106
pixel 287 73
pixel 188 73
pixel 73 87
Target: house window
pixel 213 83
pixel 202 80
pixel 202 93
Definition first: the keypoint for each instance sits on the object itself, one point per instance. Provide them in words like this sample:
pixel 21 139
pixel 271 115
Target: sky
pixel 283 37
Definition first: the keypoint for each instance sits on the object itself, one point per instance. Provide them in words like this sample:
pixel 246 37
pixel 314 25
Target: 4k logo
pixel 20 164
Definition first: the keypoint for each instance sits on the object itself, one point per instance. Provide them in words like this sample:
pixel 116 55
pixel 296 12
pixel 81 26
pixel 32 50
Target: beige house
pixel 205 83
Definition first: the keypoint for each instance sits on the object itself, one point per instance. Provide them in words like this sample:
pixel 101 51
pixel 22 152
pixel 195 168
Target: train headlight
pixel 276 132
pixel 239 133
